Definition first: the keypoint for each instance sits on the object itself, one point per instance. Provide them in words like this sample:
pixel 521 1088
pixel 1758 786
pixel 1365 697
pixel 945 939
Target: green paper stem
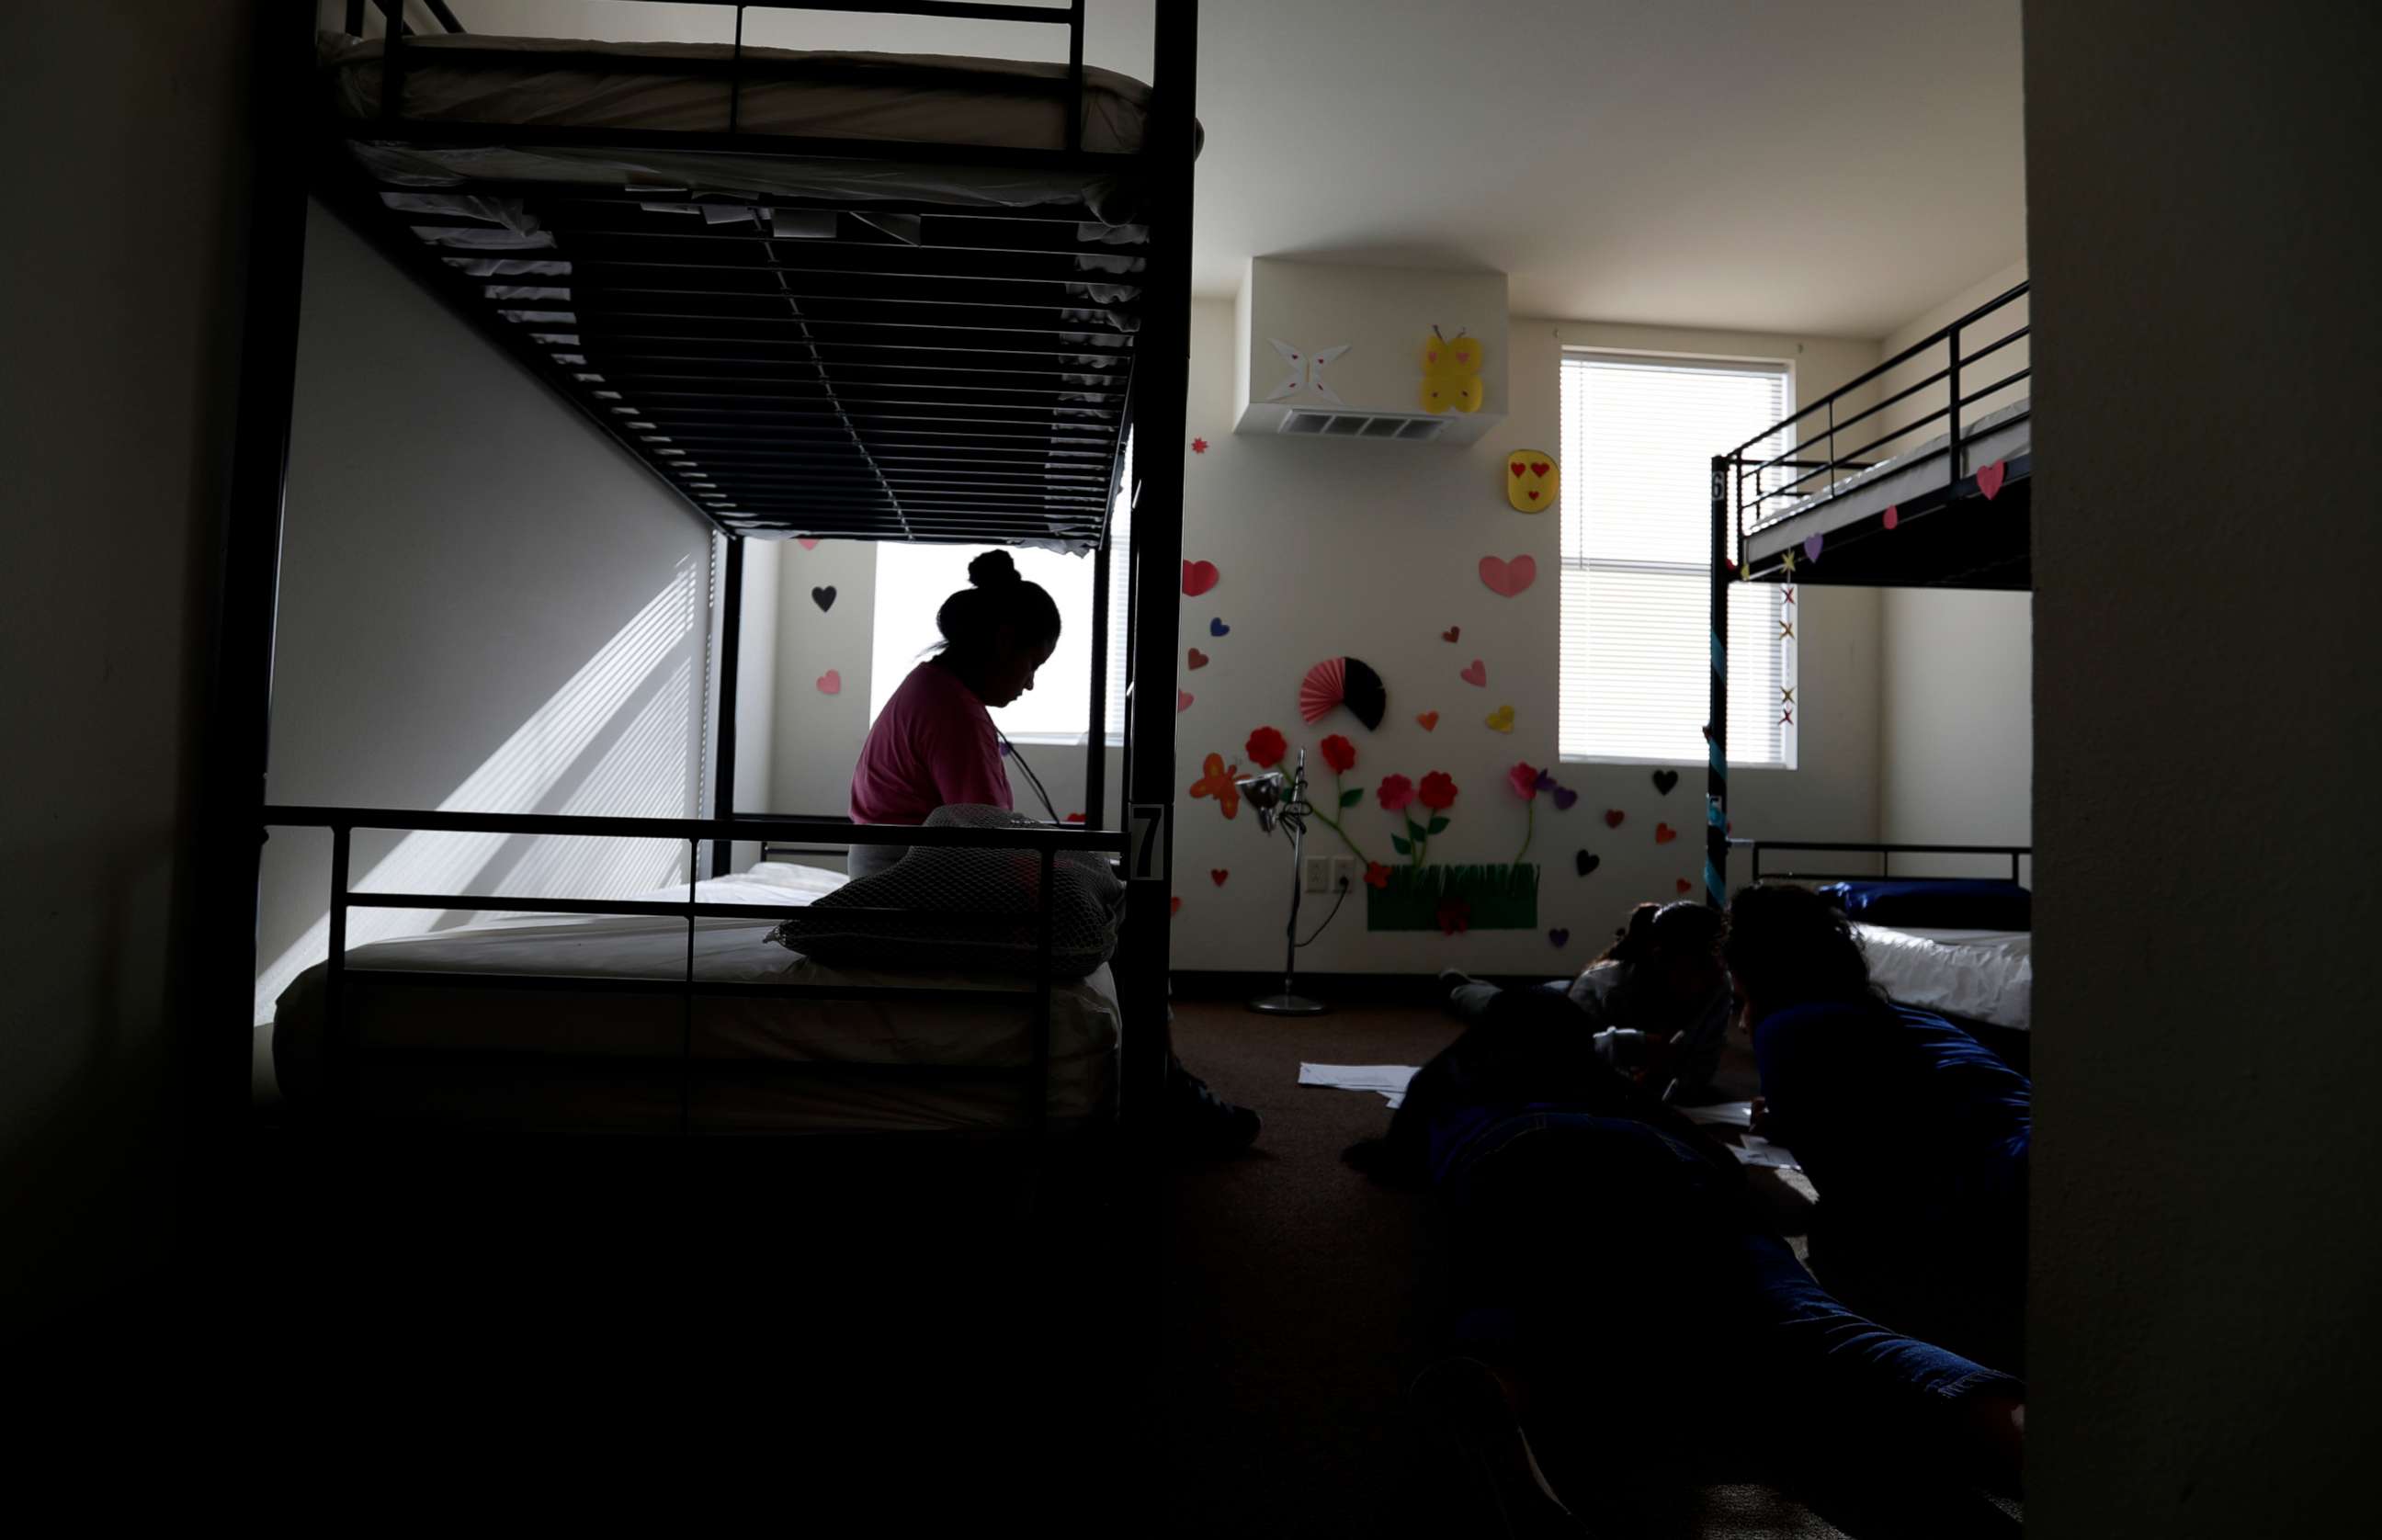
pixel 1530 823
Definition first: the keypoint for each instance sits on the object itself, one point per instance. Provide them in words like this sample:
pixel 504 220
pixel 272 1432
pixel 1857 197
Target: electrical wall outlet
pixel 1349 872
pixel 1318 874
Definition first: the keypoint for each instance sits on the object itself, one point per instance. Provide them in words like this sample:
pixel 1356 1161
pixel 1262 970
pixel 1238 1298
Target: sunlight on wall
pixel 650 767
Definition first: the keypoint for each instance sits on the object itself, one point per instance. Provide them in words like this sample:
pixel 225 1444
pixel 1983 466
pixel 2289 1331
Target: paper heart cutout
pixel 1183 699
pixel 830 683
pixel 1218 627
pixel 1559 936
pixel 1216 874
pixel 1811 547
pixel 1198 577
pixel 1585 862
pixel 1074 818
pixel 1664 780
pixel 1500 720
pixel 1508 578
pixel 1893 516
pixel 1427 720
pixel 1451 634
pixel 1665 834
pixel 1686 887
pixel 823 598
pixel 1198 659
pixel 1532 494
pixel 1517 468
pixel 807 543
pixel 1564 797
pixel 1613 816
pixel 1989 480
pixel 1478 674
pixel 1539 468
pixel 1174 904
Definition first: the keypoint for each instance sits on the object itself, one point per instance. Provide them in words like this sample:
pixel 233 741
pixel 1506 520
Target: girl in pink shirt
pixel 933 745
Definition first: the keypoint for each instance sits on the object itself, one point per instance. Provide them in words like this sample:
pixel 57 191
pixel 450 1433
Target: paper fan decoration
pixel 1343 683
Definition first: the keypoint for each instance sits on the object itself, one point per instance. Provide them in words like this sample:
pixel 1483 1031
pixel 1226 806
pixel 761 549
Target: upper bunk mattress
pixel 889 98
pixel 2003 434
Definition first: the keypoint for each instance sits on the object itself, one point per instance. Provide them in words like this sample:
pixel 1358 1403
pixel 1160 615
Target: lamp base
pixel 1288 1005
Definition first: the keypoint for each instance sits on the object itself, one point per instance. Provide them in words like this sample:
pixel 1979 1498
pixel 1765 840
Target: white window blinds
pixel 1638 434
pixel 914 581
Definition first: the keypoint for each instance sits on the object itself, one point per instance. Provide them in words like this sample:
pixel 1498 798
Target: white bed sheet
pixel 2005 434
pixel 613 1061
pixel 568 83
pixel 1986 975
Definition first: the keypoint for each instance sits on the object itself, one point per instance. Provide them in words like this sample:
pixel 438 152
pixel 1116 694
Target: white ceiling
pixel 1823 167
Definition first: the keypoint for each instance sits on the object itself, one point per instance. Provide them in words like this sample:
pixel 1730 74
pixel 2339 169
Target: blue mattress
pixel 1936 903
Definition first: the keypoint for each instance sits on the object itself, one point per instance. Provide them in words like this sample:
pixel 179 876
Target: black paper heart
pixel 824 597
pixel 1586 863
pixel 1664 780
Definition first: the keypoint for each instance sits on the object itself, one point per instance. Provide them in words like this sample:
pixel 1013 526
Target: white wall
pixel 2202 1319
pixel 485 605
pixel 118 320
pixel 1899 416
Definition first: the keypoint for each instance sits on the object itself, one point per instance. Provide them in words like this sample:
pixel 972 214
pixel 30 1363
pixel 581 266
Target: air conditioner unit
pixel 1332 350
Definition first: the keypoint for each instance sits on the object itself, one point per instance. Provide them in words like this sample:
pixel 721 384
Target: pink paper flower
pixel 1524 779
pixel 1266 748
pixel 1339 753
pixel 1395 792
pixel 1437 791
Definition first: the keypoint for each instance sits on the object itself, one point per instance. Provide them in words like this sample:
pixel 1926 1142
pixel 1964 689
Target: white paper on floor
pixel 1390 1079
pixel 1734 1114
pixel 1753 1150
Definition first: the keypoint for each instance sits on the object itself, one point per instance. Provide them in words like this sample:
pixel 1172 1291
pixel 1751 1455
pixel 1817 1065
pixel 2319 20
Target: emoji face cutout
pixel 1530 480
pixel 1451 373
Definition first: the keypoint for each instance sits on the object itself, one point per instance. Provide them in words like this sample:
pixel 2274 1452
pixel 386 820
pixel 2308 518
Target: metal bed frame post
pixel 1716 731
pixel 1161 392
pixel 1952 428
pixel 1096 750
pixel 731 638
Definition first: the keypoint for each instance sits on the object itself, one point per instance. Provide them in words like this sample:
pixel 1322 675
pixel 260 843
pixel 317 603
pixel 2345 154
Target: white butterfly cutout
pixel 1305 371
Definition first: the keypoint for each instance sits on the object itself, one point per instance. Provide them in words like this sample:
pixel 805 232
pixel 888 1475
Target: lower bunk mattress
pixel 494 1057
pixel 1984 976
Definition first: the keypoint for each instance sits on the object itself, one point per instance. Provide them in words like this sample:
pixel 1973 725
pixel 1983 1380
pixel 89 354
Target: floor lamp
pixel 1279 799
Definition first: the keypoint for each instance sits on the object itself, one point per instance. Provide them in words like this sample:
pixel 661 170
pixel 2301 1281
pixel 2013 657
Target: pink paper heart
pixel 1198 577
pixel 806 543
pixel 830 683
pixel 1989 480
pixel 1508 578
pixel 1893 516
pixel 1183 699
pixel 1478 674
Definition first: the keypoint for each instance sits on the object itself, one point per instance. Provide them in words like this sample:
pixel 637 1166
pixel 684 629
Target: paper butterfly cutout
pixel 1305 371
pixel 1221 783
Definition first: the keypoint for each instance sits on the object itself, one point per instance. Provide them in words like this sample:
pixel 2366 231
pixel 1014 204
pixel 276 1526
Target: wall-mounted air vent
pixel 1362 424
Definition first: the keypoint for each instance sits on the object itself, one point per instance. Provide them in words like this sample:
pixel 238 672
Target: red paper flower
pixel 1376 874
pixel 1454 917
pixel 1395 792
pixel 1437 792
pixel 1339 753
pixel 1198 446
pixel 1524 779
pixel 1266 748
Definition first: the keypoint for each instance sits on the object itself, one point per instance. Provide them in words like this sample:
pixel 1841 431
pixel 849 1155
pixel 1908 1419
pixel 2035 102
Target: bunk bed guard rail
pixel 1885 853
pixel 342 1052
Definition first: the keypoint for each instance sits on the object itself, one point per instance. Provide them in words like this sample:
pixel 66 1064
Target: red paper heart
pixel 1517 468
pixel 1613 816
pixel 1429 720
pixel 1665 834
pixel 1685 885
pixel 1534 495
pixel 1174 904
pixel 807 543
pixel 1508 578
pixel 1198 659
pixel 1478 674
pixel 1538 467
pixel 1219 874
pixel 1893 516
pixel 1989 480
pixel 1198 577
pixel 830 683
pixel 1451 634
pixel 1183 699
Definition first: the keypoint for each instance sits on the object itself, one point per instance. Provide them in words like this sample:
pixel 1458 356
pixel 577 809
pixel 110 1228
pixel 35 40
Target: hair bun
pixel 993 570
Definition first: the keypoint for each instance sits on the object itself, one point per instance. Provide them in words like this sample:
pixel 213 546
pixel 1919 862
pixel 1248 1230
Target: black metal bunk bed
pixel 879 368
pixel 1948 511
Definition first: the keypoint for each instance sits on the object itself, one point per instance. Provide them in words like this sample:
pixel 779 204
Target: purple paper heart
pixel 1564 797
pixel 1559 937
pixel 1811 547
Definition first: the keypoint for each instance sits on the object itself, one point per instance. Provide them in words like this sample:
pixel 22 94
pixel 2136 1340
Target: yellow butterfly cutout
pixel 1502 719
pixel 1451 373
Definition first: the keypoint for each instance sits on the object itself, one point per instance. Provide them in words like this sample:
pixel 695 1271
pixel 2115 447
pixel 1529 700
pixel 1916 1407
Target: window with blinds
pixel 914 581
pixel 1638 434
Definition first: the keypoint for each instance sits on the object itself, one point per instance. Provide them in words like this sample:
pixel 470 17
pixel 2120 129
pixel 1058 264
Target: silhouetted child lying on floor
pixel 1609 1269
